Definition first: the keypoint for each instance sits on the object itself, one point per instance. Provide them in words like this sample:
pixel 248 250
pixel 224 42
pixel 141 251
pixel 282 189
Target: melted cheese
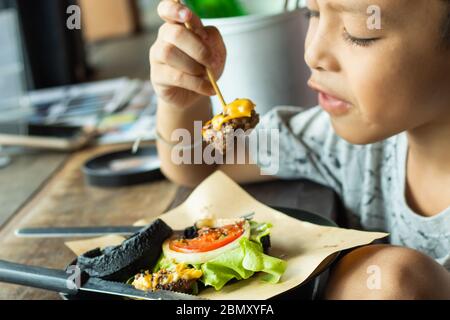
pixel 187 273
pixel 239 108
pixel 143 282
pixel 148 281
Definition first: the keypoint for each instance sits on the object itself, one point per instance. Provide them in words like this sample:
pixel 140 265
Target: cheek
pixel 382 99
pixel 378 89
pixel 395 94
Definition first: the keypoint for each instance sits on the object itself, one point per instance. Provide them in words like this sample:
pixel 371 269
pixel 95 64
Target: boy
pixel 381 138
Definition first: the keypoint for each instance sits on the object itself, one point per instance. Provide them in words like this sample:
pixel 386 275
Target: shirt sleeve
pixel 306 146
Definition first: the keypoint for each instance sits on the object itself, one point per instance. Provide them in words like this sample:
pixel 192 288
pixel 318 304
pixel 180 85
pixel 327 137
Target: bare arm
pixel 171 118
pixel 178 59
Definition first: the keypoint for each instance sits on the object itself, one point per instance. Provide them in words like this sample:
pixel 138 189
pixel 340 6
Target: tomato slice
pixel 208 239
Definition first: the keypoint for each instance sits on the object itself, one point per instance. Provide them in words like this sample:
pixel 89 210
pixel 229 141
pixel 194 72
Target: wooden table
pixel 26 173
pixel 66 200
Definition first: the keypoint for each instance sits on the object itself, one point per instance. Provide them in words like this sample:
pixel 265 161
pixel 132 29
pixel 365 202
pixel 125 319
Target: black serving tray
pixel 305 291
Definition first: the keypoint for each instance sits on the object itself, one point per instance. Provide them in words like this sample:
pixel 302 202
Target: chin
pixel 359 135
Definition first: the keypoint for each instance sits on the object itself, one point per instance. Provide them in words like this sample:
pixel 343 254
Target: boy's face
pixel 386 80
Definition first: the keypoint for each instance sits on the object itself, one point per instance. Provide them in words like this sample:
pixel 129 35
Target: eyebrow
pixel 350 8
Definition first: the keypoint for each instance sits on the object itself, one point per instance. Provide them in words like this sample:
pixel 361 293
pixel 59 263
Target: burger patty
pixel 163 283
pixel 182 279
pixel 220 139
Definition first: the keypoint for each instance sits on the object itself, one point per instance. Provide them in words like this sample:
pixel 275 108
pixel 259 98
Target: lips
pixel 329 102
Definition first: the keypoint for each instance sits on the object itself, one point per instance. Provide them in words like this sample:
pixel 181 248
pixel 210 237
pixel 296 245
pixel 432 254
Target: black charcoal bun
pixel 140 252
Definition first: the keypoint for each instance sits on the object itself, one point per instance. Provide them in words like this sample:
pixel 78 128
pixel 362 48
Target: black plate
pixel 123 168
pixel 304 291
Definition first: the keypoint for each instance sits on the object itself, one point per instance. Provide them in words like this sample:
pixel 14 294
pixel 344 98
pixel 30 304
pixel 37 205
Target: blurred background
pixel 71 65
pixel 110 30
pixel 75 74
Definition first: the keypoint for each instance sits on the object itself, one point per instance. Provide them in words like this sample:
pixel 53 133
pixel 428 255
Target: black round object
pixel 123 168
pixel 304 291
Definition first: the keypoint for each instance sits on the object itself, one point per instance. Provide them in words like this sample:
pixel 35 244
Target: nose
pixel 319 51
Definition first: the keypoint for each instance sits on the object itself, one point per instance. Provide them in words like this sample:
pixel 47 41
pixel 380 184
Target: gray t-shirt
pixel 370 179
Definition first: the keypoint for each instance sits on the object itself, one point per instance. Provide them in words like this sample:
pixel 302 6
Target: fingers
pixel 182 51
pixel 168 76
pixel 187 42
pixel 173 12
pixel 218 49
pixel 166 53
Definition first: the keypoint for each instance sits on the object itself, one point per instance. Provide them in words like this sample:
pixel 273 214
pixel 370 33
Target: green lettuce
pixel 164 263
pixel 239 263
pixel 259 230
pixel 242 263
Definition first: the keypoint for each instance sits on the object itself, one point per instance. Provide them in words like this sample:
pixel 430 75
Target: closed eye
pixel 361 42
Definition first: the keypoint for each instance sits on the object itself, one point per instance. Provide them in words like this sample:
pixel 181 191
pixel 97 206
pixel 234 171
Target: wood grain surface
pixel 66 200
pixel 26 173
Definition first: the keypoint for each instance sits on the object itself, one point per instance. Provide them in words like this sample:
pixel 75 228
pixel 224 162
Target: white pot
pixel 265 60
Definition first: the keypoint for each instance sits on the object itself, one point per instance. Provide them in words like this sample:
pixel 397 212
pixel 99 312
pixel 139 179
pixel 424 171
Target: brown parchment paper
pixel 303 245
